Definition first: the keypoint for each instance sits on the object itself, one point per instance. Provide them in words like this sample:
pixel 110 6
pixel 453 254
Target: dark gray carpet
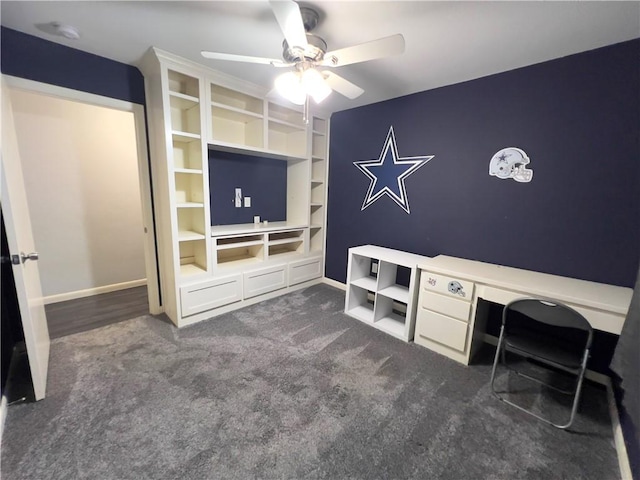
pixel 290 388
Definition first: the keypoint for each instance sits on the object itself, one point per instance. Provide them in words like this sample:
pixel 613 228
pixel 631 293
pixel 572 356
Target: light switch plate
pixel 238 197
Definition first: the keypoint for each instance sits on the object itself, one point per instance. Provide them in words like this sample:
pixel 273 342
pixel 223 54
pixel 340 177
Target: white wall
pixel 81 175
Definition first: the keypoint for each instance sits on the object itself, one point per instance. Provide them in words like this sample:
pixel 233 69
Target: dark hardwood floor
pixel 82 314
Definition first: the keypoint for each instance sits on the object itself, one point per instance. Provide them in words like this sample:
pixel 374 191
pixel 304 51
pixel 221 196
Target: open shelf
pixel 190 223
pixel 182 101
pixel 359 305
pixel 185 115
pixel 319 143
pixel 240 255
pixel 393 325
pixel 188 235
pixel 244 241
pixel 287 139
pixel 185 137
pixel 317 193
pixel 183 84
pixel 316 238
pixel 318 172
pixel 188 188
pixel 236 100
pixel 278 238
pixel 193 257
pixel 286 248
pixel 393 281
pixel 368 283
pixel 286 115
pixel 236 127
pixel 396 292
pixel 319 126
pixel 190 269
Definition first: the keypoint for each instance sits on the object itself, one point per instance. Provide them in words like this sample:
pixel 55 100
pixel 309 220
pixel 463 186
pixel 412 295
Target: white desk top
pixel 589 294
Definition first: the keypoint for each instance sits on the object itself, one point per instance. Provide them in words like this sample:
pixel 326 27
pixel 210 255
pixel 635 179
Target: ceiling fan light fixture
pixel 315 85
pixel 290 87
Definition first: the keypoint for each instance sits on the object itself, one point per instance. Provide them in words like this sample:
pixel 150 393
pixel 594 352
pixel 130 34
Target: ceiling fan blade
pixel 287 14
pixel 383 47
pixel 243 58
pixel 342 86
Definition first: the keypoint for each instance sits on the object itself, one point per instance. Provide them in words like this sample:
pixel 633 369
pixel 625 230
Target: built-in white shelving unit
pixel 376 294
pixel 207 270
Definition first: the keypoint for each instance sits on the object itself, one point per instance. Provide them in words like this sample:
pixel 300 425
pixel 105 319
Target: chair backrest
pixel 549 312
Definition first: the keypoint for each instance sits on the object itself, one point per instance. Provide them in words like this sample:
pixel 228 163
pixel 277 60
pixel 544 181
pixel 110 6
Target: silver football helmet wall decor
pixel 511 162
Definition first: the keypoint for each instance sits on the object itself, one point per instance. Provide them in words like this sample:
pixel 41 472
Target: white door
pixel 20 238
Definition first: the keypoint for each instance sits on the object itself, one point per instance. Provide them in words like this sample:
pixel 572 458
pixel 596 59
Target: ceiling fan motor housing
pixel 313 52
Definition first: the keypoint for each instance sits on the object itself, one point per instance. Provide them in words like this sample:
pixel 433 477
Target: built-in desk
pixel 450 320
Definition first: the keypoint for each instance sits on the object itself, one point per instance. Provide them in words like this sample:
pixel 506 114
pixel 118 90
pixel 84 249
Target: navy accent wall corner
pixel 576 117
pixel 33 58
pixel 262 179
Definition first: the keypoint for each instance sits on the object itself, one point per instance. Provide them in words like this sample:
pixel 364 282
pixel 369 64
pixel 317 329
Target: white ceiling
pixel 446 42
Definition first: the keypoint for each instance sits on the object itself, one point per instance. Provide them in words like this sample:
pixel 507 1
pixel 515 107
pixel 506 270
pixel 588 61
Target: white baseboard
pixel 334 283
pixel 618 436
pixel 3 415
pixel 63 297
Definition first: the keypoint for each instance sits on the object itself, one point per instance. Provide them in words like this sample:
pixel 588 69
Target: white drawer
pixel 203 296
pixel 264 280
pixel 303 270
pixel 446 285
pixel 450 306
pixel 439 328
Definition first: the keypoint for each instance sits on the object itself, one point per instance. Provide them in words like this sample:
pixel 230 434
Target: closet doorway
pixel 87 181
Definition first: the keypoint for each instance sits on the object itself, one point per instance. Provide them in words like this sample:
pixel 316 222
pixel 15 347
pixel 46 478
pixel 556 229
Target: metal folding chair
pixel 550 333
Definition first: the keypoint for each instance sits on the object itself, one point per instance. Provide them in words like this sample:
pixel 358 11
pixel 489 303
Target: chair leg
pixel 577 392
pixel 499 351
pixel 576 398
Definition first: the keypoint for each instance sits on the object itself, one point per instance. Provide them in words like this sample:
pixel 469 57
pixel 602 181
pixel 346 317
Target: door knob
pixel 28 256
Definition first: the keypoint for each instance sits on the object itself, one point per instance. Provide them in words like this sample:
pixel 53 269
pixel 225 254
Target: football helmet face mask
pixel 511 163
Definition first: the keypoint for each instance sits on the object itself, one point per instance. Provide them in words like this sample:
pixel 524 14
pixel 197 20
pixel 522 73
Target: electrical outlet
pixel 247 201
pixel 238 197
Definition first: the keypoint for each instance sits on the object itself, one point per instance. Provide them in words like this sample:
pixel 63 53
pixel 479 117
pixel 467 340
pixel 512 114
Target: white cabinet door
pixel 304 270
pixel 203 296
pixel 20 238
pixel 264 280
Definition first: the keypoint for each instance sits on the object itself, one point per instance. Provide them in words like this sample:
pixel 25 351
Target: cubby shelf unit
pixel 376 293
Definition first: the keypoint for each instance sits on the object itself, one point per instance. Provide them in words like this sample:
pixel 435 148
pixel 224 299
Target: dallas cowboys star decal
pixel 388 173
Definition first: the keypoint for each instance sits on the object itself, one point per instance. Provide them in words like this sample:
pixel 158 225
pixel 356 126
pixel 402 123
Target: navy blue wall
pixel 577 119
pixel 30 57
pixel 262 179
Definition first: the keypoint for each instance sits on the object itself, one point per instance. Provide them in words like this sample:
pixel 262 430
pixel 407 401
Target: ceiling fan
pixel 306 54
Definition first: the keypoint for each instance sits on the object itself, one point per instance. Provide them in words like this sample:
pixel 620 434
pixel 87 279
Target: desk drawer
pixel 203 296
pixel 442 329
pixel 449 306
pixel 446 285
